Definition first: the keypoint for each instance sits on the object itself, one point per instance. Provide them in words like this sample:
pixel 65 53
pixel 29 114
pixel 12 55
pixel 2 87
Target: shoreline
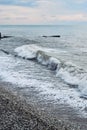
pixel 17 114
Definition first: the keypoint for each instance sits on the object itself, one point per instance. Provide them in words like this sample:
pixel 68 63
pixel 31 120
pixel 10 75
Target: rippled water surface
pixel 36 82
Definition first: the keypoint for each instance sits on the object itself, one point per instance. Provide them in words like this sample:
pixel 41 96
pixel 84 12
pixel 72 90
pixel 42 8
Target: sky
pixel 48 12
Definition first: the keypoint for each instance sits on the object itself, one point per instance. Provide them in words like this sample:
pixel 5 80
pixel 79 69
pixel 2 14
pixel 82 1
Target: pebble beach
pixel 16 114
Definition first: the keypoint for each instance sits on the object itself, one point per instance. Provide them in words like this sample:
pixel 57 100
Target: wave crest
pixel 68 72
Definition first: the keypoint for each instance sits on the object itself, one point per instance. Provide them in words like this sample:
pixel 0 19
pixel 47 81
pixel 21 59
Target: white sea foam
pixel 54 63
pixel 33 51
pixel 51 62
pixel 68 72
pixel 46 89
pixel 66 77
pixel 42 58
pixel 83 87
pixel 74 76
pixel 27 51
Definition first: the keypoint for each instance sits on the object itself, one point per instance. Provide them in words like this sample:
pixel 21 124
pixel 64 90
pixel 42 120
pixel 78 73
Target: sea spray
pixel 67 78
pixel 44 59
pixel 27 51
pixel 68 72
pixel 36 52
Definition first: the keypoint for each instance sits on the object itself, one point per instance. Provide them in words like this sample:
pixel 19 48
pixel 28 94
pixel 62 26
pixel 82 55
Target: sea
pixel 44 69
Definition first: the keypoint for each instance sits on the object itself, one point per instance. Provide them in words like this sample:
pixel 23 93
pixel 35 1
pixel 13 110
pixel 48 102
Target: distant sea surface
pixel 36 80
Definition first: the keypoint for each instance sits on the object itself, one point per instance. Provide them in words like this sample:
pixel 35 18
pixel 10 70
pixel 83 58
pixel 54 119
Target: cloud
pixel 28 3
pixel 19 15
pixel 73 17
pixel 41 11
pixel 80 1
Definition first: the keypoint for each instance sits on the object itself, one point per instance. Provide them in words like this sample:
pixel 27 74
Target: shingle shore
pixel 15 114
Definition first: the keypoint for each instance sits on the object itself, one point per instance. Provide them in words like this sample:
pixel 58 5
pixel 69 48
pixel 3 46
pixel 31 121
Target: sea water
pixel 49 68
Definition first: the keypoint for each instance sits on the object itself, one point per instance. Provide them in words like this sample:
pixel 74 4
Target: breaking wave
pixel 69 73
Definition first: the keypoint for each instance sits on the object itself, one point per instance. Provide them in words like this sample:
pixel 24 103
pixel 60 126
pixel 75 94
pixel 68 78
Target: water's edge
pixel 39 119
